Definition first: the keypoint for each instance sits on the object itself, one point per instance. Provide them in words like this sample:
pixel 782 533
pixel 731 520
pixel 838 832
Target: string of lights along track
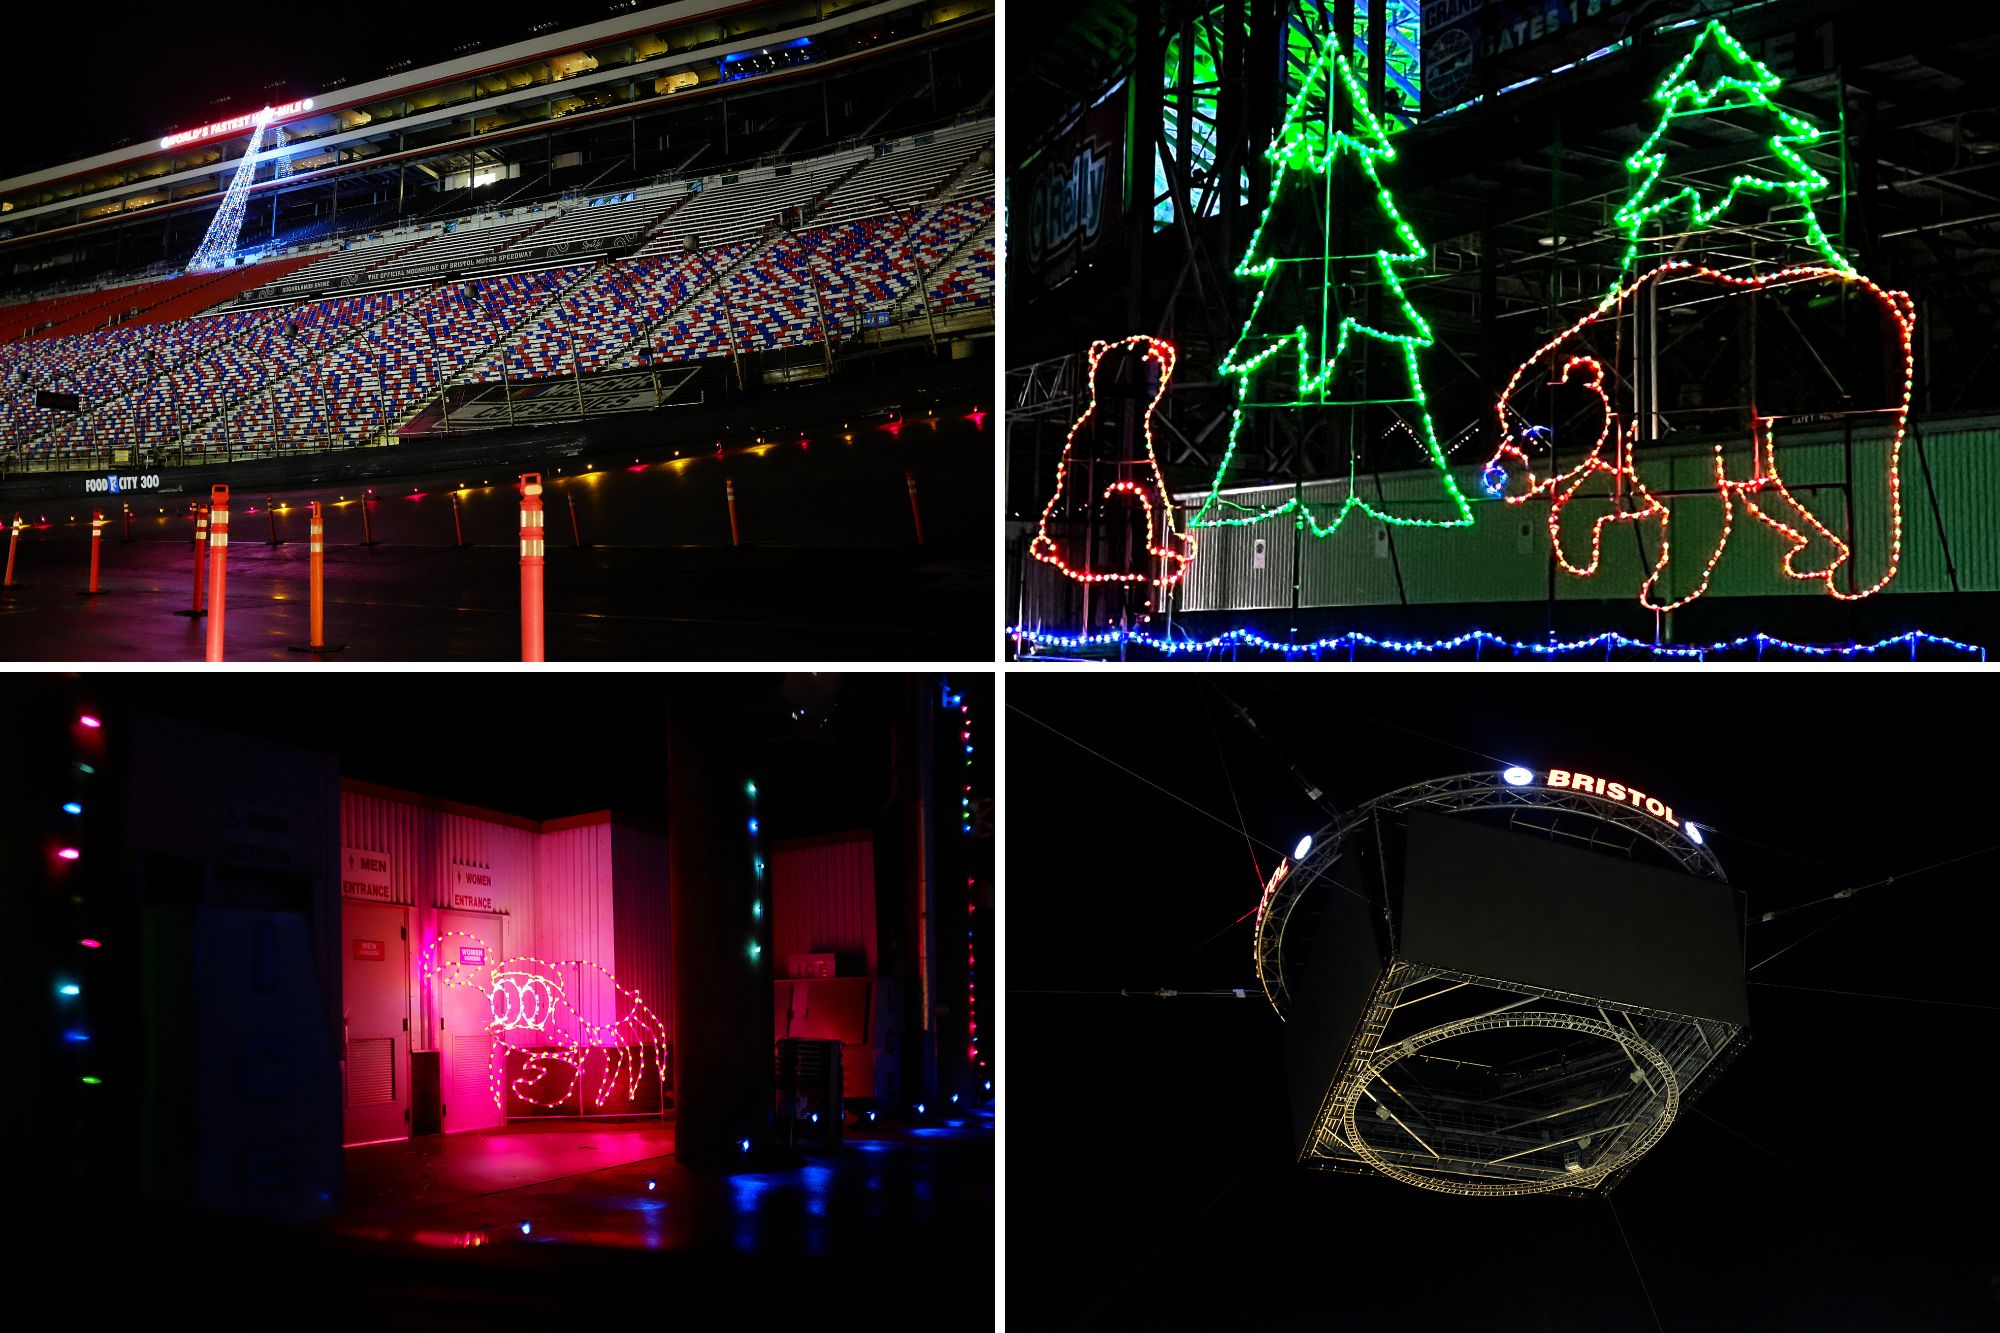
pixel 1597 645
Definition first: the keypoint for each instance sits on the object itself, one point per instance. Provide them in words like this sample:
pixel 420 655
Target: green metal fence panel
pixel 1841 476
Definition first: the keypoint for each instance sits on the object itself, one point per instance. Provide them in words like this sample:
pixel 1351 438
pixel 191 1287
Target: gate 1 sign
pixel 472 888
pixel 365 875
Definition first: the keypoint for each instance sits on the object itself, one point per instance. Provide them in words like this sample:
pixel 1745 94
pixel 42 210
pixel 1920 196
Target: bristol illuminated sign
pixel 255 118
pixel 1561 779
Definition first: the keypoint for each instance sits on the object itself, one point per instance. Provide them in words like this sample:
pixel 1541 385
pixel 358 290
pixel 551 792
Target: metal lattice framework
pixel 1486 1086
pixel 1463 793
pixel 1189 99
pixel 1647 1110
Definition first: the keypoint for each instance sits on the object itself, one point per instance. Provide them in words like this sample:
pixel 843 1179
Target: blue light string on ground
pixel 1480 639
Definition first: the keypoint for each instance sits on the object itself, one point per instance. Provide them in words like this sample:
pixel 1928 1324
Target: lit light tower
pixel 218 246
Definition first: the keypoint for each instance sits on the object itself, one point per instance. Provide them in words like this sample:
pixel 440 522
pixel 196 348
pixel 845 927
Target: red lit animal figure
pixel 1814 552
pixel 1136 482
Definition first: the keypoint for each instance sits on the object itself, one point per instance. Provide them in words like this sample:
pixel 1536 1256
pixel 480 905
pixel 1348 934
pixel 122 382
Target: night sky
pixel 153 67
pixel 1837 1176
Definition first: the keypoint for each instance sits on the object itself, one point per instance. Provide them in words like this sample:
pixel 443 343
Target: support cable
pixel 1014 708
pixel 1636 1271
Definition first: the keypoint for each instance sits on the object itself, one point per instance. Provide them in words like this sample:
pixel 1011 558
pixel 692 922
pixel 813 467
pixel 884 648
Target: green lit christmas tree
pixel 1308 343
pixel 1716 76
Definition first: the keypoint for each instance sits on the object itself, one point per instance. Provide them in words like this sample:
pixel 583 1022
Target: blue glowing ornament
pixel 1518 776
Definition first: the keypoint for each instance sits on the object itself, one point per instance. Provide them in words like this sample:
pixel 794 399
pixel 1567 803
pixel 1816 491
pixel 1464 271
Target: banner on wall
pixel 258 835
pixel 1066 203
pixel 472 888
pixel 365 875
pixel 1480 47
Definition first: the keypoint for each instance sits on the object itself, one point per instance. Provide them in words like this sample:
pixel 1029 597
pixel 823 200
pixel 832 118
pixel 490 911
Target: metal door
pixel 469 944
pixel 375 994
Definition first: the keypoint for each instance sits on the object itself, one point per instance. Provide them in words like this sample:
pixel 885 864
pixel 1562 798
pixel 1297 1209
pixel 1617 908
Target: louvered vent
pixel 371 1071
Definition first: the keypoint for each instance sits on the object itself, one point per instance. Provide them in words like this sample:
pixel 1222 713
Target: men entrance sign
pixel 1561 779
pixel 365 875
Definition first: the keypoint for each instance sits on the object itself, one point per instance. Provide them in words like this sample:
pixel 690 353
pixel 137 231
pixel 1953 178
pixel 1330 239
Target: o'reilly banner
pixel 1066 203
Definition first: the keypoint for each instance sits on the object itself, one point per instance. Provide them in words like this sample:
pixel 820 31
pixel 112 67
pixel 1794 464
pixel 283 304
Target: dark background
pixel 1838 1176
pixel 89 78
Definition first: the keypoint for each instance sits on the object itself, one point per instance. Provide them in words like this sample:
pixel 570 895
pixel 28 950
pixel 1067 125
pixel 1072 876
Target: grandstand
pixel 620 197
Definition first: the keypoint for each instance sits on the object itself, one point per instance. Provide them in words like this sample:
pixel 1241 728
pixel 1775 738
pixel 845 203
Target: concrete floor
pixel 905 1191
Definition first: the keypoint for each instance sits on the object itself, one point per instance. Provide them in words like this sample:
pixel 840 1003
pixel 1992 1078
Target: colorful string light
pixel 1765 477
pixel 1308 143
pixel 1159 355
pixel 757 874
pixel 974 1051
pixel 1604 643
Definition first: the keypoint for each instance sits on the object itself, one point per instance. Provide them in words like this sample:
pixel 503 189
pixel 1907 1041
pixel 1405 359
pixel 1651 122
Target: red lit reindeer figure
pixel 1744 480
pixel 1139 367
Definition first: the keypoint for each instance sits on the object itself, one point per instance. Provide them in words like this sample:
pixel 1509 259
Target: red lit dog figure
pixel 1135 483
pixel 1814 552
pixel 528 996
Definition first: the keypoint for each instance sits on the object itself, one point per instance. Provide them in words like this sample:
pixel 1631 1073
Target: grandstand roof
pixel 456 110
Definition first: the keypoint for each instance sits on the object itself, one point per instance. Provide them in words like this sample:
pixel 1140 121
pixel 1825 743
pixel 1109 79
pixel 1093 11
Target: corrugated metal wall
pixel 1505 555
pixel 573 914
pixel 192 779
pixel 421 845
pixel 823 898
pixel 639 917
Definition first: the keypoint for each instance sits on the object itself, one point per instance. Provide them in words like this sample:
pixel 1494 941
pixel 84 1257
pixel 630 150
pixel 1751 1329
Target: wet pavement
pixel 640 564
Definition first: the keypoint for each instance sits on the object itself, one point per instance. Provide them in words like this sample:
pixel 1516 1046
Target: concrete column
pixel 723 1050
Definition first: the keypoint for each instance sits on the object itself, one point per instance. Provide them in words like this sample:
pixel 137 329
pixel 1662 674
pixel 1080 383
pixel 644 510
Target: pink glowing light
pixel 91 944
pixel 69 853
pixel 89 721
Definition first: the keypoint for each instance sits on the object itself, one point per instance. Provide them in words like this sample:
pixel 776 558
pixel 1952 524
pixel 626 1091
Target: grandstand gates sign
pixel 1069 198
pixel 237 123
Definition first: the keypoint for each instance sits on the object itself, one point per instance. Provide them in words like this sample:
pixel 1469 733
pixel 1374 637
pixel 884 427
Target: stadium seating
pixel 342 336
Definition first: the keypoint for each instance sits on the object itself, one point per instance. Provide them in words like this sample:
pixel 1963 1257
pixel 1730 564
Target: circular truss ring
pixel 1634 1045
